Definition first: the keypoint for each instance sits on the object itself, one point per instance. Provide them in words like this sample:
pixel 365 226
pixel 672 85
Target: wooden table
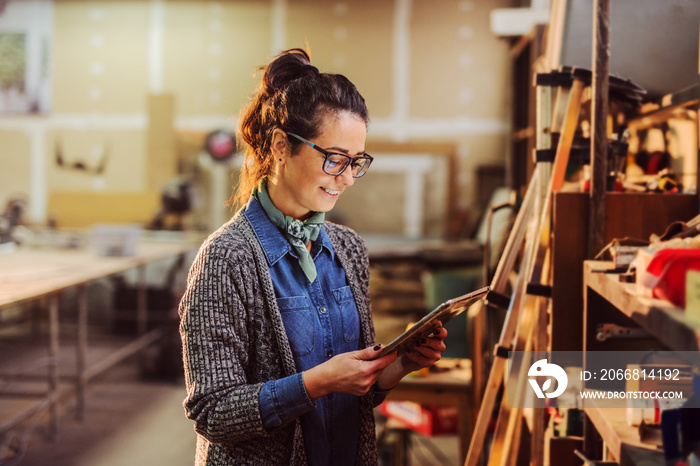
pixel 27 274
pixel 450 387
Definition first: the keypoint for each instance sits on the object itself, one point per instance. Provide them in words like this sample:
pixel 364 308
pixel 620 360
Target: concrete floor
pixel 129 421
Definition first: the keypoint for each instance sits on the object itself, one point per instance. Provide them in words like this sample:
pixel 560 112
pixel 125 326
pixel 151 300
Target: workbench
pixel 31 274
pixel 450 385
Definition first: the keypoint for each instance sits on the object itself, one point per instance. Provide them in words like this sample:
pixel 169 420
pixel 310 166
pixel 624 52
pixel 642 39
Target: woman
pixel 276 325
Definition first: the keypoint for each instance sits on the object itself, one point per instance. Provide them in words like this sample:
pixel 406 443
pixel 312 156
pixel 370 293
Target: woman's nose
pixel 346 177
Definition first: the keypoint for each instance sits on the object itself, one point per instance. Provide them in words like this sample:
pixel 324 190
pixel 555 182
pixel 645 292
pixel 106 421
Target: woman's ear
pixel 280 146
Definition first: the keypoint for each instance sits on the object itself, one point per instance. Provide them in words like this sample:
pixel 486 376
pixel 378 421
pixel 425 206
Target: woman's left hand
pixel 425 352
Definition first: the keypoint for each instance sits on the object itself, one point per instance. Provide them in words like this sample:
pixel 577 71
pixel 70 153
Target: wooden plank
pixel 528 220
pixel 660 116
pixel 526 340
pixel 644 214
pixel 566 139
pixel 544 308
pixel 54 370
pixel 599 123
pixel 569 246
pixel 555 34
pixel 548 177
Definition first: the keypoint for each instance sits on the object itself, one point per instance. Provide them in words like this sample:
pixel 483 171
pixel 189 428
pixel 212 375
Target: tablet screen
pixel 424 327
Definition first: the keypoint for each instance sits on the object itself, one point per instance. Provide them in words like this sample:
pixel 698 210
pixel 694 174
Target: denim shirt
pixel 321 320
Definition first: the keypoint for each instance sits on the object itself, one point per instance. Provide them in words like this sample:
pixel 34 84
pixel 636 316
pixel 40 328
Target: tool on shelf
pixel 612 331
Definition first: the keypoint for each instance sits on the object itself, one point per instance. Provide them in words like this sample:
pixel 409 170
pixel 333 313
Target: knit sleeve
pixel 214 323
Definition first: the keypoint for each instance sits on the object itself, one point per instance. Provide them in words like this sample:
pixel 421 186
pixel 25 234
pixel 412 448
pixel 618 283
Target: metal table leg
pixel 81 353
pixel 142 312
pixel 53 365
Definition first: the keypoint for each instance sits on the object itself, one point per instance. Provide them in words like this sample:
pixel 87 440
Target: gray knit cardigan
pixel 234 341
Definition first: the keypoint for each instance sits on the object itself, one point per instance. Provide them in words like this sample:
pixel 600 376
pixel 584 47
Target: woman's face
pixel 301 186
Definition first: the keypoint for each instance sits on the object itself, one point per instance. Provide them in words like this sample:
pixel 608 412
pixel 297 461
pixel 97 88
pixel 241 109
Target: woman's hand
pixel 425 353
pixel 354 373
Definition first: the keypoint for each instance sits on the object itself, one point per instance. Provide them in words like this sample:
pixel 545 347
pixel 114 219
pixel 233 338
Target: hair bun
pixel 307 70
pixel 289 66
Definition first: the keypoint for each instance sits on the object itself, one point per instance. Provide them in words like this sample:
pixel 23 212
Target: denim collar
pixel 273 243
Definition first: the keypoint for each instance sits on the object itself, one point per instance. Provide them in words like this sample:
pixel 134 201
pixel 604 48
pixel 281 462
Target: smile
pixel 331 192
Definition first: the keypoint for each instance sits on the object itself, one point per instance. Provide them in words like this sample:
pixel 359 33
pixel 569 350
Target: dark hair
pixel 294 97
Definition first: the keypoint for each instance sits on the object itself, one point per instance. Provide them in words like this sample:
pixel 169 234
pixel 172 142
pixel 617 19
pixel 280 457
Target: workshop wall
pixel 15 174
pixel 430 71
pixel 100 56
pixel 210 51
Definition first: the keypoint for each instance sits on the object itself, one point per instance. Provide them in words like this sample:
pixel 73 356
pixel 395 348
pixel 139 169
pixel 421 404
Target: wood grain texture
pixel 599 143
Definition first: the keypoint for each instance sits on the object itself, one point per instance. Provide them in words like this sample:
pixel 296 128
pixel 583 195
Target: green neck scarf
pixel 297 232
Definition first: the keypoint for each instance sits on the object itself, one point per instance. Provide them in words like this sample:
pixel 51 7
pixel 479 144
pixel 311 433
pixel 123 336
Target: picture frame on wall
pixel 25 57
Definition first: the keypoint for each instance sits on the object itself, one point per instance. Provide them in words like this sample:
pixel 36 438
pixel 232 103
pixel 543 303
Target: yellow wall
pixel 351 38
pixel 100 56
pixel 210 50
pixel 15 163
pixel 430 70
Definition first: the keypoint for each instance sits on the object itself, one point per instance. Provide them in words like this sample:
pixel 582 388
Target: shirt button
pixel 329 353
pixel 330 396
pixel 323 310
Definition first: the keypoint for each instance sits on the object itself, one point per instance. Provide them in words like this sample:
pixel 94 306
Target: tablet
pixel 424 327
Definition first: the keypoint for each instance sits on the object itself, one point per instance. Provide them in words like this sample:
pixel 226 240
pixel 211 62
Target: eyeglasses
pixel 336 163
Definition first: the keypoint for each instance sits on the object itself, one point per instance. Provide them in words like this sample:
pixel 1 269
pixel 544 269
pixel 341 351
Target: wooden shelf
pixel 665 323
pixel 621 439
pixel 658 317
pixel 668 106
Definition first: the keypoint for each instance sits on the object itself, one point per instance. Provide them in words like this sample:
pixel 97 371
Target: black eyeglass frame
pixel 327 154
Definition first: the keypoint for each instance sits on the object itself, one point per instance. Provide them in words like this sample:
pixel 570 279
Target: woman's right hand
pixel 354 373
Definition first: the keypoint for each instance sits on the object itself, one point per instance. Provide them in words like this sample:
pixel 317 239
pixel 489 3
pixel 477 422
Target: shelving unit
pixel 658 317
pixel 634 215
pixel 666 326
pixel 584 222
